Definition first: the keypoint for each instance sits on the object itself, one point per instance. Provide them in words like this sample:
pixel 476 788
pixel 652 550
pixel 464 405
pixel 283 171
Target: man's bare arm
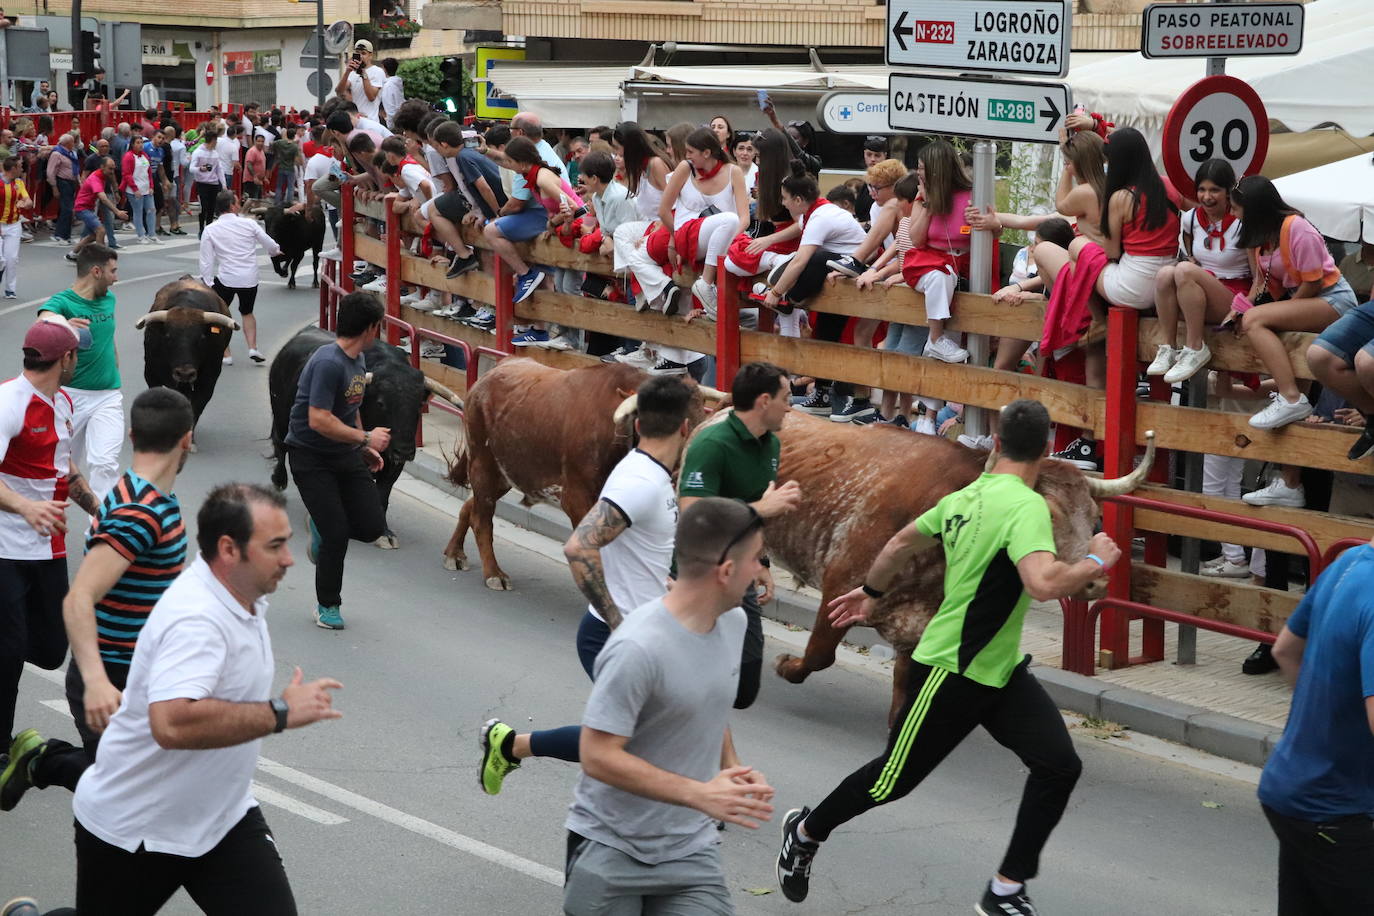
pixel 80 492
pixel 603 524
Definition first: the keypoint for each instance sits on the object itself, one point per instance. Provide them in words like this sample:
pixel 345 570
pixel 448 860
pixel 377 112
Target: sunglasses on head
pixel 755 523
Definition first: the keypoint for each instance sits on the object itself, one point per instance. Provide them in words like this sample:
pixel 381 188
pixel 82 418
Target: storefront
pixel 252 76
pixel 170 64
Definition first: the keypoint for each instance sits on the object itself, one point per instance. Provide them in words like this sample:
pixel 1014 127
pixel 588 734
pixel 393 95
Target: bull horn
pixel 150 318
pixel 712 394
pixel 224 321
pixel 367 378
pixel 442 391
pixel 627 409
pixel 1119 486
pixel 993 457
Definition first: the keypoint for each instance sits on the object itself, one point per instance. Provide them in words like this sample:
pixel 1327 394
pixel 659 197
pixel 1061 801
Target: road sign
pixel 1012 110
pixel 853 112
pixel 1221 29
pixel 148 96
pixel 1218 117
pixel 210 73
pixel 994 36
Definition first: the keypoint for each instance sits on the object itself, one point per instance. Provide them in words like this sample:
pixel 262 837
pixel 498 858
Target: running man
pixel 332 458
pixel 658 765
pixel 15 203
pixel 968 668
pixel 135 550
pixel 620 556
pixel 229 264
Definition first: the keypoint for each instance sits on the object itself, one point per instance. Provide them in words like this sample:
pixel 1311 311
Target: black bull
pixel 393 397
pixel 296 233
pixel 185 335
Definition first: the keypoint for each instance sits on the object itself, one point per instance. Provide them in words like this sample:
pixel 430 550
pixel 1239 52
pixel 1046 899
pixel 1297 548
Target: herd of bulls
pixel 554 436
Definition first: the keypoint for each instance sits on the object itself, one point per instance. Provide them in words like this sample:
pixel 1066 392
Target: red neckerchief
pixel 405 162
pixel 1213 230
pixel 711 173
pixel 820 202
pixel 531 176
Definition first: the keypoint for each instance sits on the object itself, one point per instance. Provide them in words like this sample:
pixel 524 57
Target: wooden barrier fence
pixel 1115 415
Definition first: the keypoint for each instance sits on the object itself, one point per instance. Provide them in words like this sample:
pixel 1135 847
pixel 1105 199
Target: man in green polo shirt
pixel 98 405
pixel 737 458
pixel 968 668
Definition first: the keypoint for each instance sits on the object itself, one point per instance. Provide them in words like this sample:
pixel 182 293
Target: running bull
pixel 395 393
pixel 185 336
pixel 554 435
pixel 297 232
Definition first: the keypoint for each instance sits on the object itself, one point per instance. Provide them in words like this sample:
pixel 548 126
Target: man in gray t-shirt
pixel 658 764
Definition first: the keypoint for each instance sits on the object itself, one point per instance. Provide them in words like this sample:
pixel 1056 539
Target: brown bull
pixel 859 487
pixel 549 433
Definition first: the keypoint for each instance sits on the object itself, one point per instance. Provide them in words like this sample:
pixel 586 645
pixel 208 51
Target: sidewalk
pixel 1211 706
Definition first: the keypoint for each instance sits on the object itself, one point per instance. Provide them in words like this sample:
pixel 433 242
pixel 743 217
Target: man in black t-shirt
pixel 332 457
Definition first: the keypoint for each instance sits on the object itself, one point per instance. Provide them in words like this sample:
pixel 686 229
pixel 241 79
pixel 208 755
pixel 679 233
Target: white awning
pixel 1337 198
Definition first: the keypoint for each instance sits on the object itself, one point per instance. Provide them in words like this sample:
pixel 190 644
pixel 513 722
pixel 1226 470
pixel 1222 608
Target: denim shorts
pixel 525 225
pixel 89 220
pixel 1351 333
pixel 906 338
pixel 1340 297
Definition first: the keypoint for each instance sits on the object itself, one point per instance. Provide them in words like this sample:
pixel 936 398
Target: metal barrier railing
pixel 1078 652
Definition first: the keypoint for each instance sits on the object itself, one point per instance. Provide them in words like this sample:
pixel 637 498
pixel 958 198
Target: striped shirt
pixel 144 527
pixel 11 194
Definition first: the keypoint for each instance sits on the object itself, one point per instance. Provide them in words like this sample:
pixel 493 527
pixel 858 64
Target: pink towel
pixel 1067 316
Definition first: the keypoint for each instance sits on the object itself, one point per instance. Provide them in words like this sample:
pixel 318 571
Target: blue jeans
pixel 286 188
pixel 107 217
pixel 562 743
pixel 142 213
pixel 66 196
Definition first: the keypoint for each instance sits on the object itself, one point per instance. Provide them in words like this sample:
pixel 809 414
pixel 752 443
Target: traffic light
pixel 88 52
pixel 451 85
pixel 76 88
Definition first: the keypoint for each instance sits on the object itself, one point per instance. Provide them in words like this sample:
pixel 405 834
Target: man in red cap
pixel 37 480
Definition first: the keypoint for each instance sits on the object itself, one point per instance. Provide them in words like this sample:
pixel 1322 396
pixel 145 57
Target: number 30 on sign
pixel 1219 117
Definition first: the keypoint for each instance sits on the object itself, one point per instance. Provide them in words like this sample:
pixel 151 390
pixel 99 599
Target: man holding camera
pixel 362 81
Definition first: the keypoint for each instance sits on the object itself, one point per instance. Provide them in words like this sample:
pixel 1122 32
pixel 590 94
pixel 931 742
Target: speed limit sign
pixel 1219 117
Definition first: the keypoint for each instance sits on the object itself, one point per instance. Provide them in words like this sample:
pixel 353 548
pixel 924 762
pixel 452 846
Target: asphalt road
pixel 380 812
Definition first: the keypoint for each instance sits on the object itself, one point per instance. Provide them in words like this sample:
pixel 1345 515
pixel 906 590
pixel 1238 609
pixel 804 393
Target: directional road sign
pixel 1221 29
pixel 1218 117
pixel 1013 110
pixel 853 112
pixel 993 36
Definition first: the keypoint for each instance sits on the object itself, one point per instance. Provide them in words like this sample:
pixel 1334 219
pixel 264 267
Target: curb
pixel 1194 726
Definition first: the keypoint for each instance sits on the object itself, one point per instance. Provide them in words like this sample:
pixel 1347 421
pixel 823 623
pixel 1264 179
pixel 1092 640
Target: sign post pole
pixel 980 269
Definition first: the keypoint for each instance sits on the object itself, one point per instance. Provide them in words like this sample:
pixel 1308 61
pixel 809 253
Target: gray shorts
pixel 602 881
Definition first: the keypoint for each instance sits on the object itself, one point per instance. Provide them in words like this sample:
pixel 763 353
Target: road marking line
pixel 58 706
pixel 414 824
pixel 57 677
pixel 270 796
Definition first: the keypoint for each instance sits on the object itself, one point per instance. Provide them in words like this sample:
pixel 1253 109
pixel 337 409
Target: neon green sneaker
pixel 14 779
pixel 495 764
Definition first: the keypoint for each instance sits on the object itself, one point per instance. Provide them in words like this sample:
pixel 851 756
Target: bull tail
pixel 458 464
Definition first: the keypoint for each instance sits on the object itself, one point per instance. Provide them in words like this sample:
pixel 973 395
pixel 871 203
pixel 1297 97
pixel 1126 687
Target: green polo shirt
pixel 725 459
pixel 97 369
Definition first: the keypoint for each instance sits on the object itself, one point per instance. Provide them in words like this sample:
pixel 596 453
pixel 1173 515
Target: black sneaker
pixel 460 266
pixel 853 410
pixel 817 403
pixel 465 311
pixel 1363 447
pixel 364 277
pixel 1017 904
pixel 1261 661
pixel 775 274
pixel 668 367
pixel 848 265
pixel 874 417
pixel 672 299
pixel 794 861
pixel 1082 454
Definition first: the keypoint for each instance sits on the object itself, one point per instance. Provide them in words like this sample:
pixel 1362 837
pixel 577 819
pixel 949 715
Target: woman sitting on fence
pixel 646 175
pixel 1202 287
pixel 940 237
pixel 1306 292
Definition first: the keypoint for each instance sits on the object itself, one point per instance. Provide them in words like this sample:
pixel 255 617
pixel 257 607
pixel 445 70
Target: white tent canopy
pixel 1337 198
pixel 1328 83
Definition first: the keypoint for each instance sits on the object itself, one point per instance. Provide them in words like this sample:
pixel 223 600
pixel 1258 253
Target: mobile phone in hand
pixel 764 101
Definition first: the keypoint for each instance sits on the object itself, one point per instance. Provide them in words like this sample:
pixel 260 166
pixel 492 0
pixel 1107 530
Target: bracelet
pixel 1096 559
pixel 367 438
pixel 871 592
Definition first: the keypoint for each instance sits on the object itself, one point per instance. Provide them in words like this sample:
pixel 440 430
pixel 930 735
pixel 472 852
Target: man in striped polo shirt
pixel 134 551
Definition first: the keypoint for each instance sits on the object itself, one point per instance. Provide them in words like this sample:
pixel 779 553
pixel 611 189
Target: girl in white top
pixel 705 183
pixel 646 172
pixel 1202 287
pixel 744 158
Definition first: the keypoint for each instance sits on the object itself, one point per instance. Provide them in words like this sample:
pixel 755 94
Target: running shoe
pixel 1017 904
pixel 1081 453
pixel 779 266
pixel 816 403
pixel 854 410
pixel 899 420
pixel 177 230
pixel 1226 570
pixel 531 338
pixel 1278 493
pixel 559 342
pixel 11 295
pixel 527 284
pixel 1165 357
pixel 460 266
pixel 1189 363
pixel 668 367
pixel 1281 411
pixel 15 779
pixel 945 350
pixel 328 618
pixel 794 861
pixel 256 356
pixel 495 763
pixel 1261 661
pixel 705 294
pixel 672 299
pixel 848 265
pixel 641 358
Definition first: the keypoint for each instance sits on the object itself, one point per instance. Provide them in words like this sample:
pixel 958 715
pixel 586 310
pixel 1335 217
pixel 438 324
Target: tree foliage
pixel 422 78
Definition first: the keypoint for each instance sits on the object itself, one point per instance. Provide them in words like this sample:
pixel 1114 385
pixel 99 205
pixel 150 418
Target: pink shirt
pixel 1311 260
pixel 951 232
pixel 255 161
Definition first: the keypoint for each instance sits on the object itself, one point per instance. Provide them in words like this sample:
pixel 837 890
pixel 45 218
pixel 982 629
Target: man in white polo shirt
pixel 168 802
pixel 229 263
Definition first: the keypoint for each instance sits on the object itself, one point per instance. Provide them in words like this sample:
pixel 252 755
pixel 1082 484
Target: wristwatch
pixel 367 438
pixel 280 709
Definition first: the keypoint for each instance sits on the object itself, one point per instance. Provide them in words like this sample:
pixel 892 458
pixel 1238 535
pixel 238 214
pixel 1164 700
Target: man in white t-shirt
pixel 169 803
pixel 620 556
pixel 393 94
pixel 361 81
pixel 229 148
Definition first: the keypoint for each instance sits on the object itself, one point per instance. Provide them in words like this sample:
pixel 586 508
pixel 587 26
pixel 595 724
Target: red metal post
pixel 347 244
pixel 393 274
pixel 727 326
pixel 1118 451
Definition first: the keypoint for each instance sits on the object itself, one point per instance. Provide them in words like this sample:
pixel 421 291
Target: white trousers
pixel 938 287
pixel 98 436
pixel 652 280
pixel 717 232
pixel 11 237
pixel 625 239
pixel 1221 476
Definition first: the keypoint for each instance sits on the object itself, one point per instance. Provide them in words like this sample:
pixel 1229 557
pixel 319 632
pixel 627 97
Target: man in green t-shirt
pixel 98 421
pixel 968 669
pixel 737 458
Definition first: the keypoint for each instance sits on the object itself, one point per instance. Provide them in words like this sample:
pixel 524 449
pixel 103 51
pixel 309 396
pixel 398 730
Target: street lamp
pixel 320 90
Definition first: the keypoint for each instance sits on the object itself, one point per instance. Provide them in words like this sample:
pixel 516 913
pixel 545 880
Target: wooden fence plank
pixel 1211 432
pixel 475 285
pixel 971 312
pixel 557 358
pixel 1263 609
pixel 619 320
pixel 1229 351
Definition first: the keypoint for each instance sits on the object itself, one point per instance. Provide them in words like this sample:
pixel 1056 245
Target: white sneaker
pixel 145 240
pixel 1165 357
pixel 643 358
pixel 333 254
pixel 1281 412
pixel 924 425
pixel 376 286
pixel 1189 363
pixel 257 357
pixel 155 240
pixel 228 360
pixel 422 304
pixel 430 349
pixel 411 298
pixel 1215 561
pixel 946 350
pixel 1278 493
pixel 559 342
pixel 976 442
pixel 706 295
pixel 1227 570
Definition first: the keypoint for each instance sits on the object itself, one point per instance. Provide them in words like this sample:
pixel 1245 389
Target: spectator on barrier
pixel 745 158
pixel 609 200
pixel 577 148
pixel 940 239
pixel 843 196
pixel 875 150
pixel 393 94
pixel 255 168
pixel 525 219
pixel 1203 286
pixel 474 198
pixel 64 166
pixel 675 139
pixel 1299 276
pixel 412 181
pixel 725 135
pixel 646 177
pixel 799 135
pixel 1342 359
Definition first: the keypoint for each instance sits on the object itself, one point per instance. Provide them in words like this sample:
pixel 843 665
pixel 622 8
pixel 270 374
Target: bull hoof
pixel 291 284
pixel 791 668
pixel 388 542
pixel 315 284
pixel 498 583
pixel 453 564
